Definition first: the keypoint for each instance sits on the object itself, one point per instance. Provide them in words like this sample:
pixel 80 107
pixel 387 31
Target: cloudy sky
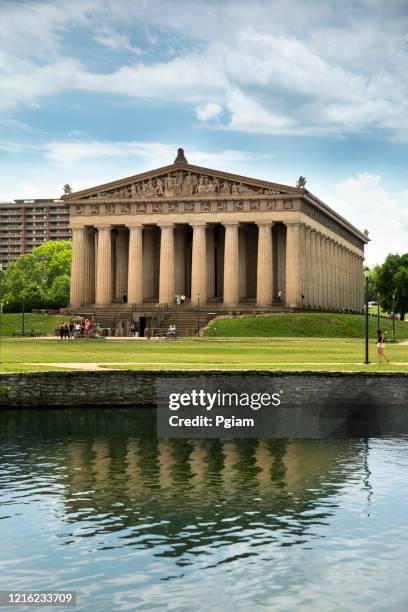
pixel 96 90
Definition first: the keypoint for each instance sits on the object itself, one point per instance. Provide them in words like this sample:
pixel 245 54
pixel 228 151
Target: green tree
pixel 391 282
pixel 372 284
pixel 41 278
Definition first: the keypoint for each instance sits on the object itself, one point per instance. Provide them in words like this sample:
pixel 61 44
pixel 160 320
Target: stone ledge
pixel 140 388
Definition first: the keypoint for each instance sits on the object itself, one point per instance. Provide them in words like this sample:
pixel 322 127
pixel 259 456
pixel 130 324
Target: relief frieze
pixel 181 183
pixel 222 206
pixel 182 206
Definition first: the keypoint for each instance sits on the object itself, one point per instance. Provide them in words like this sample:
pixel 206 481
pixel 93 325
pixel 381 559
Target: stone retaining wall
pixel 135 388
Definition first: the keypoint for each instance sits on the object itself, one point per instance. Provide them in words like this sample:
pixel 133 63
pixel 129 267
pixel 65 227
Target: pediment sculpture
pixel 181 183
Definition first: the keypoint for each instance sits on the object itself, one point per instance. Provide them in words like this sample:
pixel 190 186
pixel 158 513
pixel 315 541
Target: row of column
pixel 320 272
pixel 332 273
pixel 138 268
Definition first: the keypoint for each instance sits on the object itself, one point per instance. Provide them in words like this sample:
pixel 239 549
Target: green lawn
pixel 299 324
pixel 203 353
pixel 287 325
pixel 44 324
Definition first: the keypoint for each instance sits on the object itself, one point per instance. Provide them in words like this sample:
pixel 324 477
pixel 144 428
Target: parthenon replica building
pixel 224 241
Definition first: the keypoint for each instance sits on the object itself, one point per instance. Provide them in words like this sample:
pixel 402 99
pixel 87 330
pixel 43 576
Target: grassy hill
pixel 299 324
pixel 45 324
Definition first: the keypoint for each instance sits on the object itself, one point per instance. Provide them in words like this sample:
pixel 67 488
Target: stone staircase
pixel 187 319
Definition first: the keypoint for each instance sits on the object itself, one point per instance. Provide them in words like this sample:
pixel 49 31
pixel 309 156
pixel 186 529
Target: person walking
pixel 66 331
pixel 381 347
pixel 61 330
pixel 124 298
pixel 182 299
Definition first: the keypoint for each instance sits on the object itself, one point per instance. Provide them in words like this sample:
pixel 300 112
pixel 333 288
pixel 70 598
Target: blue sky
pixel 96 90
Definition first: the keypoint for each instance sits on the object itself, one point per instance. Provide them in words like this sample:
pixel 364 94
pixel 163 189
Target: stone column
pixel 135 264
pixel 180 258
pixel 90 266
pixel 331 274
pixel 320 264
pixel 342 282
pixel 148 262
pixel 336 275
pixel 104 266
pixel 293 265
pixel 121 278
pixel 357 274
pixel 166 276
pixel 308 267
pixel 325 266
pixel 199 264
pixel 347 279
pixel 352 280
pixel 313 276
pixel 264 276
pixel 77 296
pixel 352 287
pixel 242 262
pixel 231 264
pixel 210 262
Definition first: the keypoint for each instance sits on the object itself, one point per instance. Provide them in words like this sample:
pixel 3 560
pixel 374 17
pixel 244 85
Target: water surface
pixel 90 500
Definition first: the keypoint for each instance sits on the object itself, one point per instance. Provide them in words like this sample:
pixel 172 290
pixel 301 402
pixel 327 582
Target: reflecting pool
pixel 91 500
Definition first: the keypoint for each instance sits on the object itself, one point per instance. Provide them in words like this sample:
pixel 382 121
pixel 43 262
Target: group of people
pixel 180 299
pixel 77 329
pixel 172 332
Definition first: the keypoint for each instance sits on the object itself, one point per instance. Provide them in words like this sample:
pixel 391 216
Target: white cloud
pixel 86 163
pixel 278 67
pixel 366 202
pixel 248 115
pixel 208 111
pixel 115 40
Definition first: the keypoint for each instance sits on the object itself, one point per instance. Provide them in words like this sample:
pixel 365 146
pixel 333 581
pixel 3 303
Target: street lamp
pixel 393 317
pixel 366 273
pixel 177 303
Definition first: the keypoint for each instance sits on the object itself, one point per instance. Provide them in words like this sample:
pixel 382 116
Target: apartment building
pixel 25 224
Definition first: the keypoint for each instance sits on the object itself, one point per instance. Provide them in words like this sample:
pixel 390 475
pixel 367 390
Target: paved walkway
pixel 100 365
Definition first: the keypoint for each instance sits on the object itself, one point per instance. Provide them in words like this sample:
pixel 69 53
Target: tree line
pixel 388 283
pixel 40 278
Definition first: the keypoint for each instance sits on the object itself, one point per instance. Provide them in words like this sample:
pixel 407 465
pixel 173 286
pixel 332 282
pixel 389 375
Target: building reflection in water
pixel 119 481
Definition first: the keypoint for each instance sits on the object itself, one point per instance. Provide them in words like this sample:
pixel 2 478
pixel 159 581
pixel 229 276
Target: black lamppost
pixel 177 301
pixel 23 322
pixel 366 360
pixel 393 317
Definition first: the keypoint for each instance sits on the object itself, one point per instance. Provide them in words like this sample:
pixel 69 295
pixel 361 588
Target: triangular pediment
pixel 182 180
